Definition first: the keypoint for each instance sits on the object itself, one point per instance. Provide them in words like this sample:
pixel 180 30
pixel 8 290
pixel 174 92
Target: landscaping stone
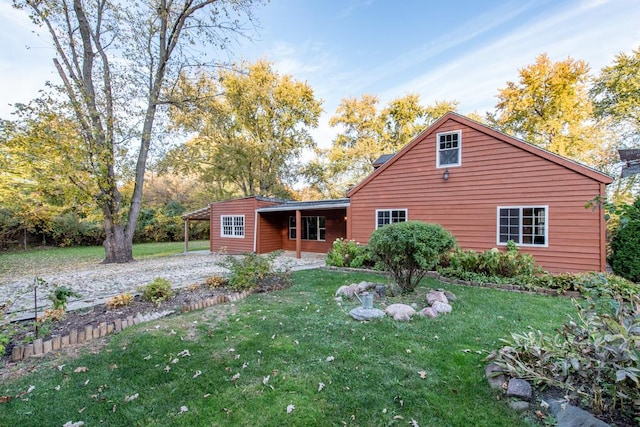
pixel 428 312
pixel 451 297
pixel 400 312
pixel 520 389
pixel 494 375
pixel 366 314
pixel 519 405
pixel 381 290
pixel 571 416
pixel 441 307
pixel 436 296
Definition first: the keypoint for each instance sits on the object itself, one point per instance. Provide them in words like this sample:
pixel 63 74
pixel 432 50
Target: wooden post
pixel 298 234
pixel 186 235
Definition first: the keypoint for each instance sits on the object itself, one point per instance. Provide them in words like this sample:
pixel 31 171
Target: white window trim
pixel 529 245
pixel 406 214
pixel 289 228
pixel 452 165
pixel 233 227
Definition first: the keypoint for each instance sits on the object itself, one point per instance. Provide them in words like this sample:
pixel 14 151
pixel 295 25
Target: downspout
pixel 298 234
pixel 603 231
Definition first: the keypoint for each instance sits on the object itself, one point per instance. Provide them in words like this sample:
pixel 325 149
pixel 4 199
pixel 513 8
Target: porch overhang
pixel 306 206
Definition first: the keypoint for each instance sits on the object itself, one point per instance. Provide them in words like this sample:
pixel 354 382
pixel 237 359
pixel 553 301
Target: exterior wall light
pixel 445 175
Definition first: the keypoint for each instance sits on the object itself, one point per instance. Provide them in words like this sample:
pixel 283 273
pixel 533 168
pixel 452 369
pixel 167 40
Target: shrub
pixel 493 263
pixel 59 296
pixel 595 358
pixel 157 291
pixel 216 282
pixel 123 300
pixel 625 246
pixel 348 253
pixel 248 271
pixel 408 250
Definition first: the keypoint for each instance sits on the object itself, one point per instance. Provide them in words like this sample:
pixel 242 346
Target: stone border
pixel 40 347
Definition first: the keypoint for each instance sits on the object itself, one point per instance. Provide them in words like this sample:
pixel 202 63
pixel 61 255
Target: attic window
pixel 449 149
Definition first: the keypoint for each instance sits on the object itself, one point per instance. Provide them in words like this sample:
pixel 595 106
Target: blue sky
pixel 442 50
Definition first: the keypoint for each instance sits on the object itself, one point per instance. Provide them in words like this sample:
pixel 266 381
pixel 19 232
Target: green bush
pixel 595 358
pixel 408 250
pixel 157 291
pixel 492 263
pixel 625 246
pixel 59 296
pixel 348 253
pixel 248 271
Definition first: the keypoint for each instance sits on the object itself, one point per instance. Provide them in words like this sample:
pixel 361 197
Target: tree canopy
pixel 252 126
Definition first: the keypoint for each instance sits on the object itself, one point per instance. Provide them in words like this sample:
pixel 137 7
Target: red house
pixel 485 187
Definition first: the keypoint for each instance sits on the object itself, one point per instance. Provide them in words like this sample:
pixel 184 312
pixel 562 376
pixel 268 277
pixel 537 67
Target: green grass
pixel 287 336
pixel 48 258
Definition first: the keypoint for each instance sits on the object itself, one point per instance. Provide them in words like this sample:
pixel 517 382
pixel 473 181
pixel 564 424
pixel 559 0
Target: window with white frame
pixel 232 225
pixel 449 149
pixel 313 228
pixel 525 225
pixel 389 216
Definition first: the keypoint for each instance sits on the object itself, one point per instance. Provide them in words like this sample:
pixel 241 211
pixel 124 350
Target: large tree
pixel 252 126
pixel 115 61
pixel 616 93
pixel 366 133
pixel 549 106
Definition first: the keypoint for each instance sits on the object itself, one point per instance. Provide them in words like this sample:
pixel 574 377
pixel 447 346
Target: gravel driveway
pixel 96 282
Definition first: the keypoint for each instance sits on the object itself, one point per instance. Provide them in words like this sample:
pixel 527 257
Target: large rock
pixel 366 314
pixel 520 389
pixel 572 416
pixel 441 307
pixel 436 296
pixel 400 311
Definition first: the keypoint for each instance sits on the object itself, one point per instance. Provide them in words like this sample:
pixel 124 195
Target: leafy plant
pixel 123 300
pixel 492 263
pixel 408 250
pixel 595 357
pixel 625 245
pixel 157 291
pixel 247 271
pixel 348 253
pixel 60 294
pixel 52 315
pixel 216 281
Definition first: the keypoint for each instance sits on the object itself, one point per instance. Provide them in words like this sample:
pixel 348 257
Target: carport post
pixel 186 235
pixel 298 234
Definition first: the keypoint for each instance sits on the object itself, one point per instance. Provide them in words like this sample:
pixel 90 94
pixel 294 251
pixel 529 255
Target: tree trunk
pixel 117 247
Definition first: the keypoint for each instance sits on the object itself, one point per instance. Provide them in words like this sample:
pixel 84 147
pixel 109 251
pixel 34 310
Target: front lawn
pixel 292 357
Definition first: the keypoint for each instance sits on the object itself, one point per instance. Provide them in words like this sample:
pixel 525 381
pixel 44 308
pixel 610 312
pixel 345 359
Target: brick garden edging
pixel 40 347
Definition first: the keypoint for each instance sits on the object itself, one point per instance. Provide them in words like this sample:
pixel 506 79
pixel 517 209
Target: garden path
pixel 97 282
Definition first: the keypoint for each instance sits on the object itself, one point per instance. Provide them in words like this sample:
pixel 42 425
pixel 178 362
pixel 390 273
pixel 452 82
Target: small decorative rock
pixel 450 295
pixel 381 290
pixel 494 375
pixel 400 311
pixel 519 388
pixel 365 314
pixel 428 312
pixel 519 405
pixel 441 307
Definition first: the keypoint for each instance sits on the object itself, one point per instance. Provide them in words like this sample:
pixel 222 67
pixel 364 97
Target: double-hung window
pixel 232 226
pixel 449 149
pixel 313 228
pixel 525 225
pixel 389 216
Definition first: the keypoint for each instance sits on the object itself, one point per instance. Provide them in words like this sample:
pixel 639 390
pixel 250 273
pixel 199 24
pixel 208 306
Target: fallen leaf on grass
pixel 184 353
pixel 330 359
pixel 466 350
pixel 320 386
pixel 31 388
pixel 60 367
pixel 197 374
pixel 147 357
pixel 414 423
pixel 265 380
pixel 113 366
pixel 73 424
pixel 183 409
pixel 176 360
pixel 408 351
pixel 167 368
pixel 422 374
pixel 81 369
pixel 290 408
pixel 5 399
pixel 132 397
pixel 235 377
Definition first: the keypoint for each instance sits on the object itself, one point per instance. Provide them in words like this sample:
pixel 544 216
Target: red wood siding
pixel 235 245
pixel 274 231
pixel 493 173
